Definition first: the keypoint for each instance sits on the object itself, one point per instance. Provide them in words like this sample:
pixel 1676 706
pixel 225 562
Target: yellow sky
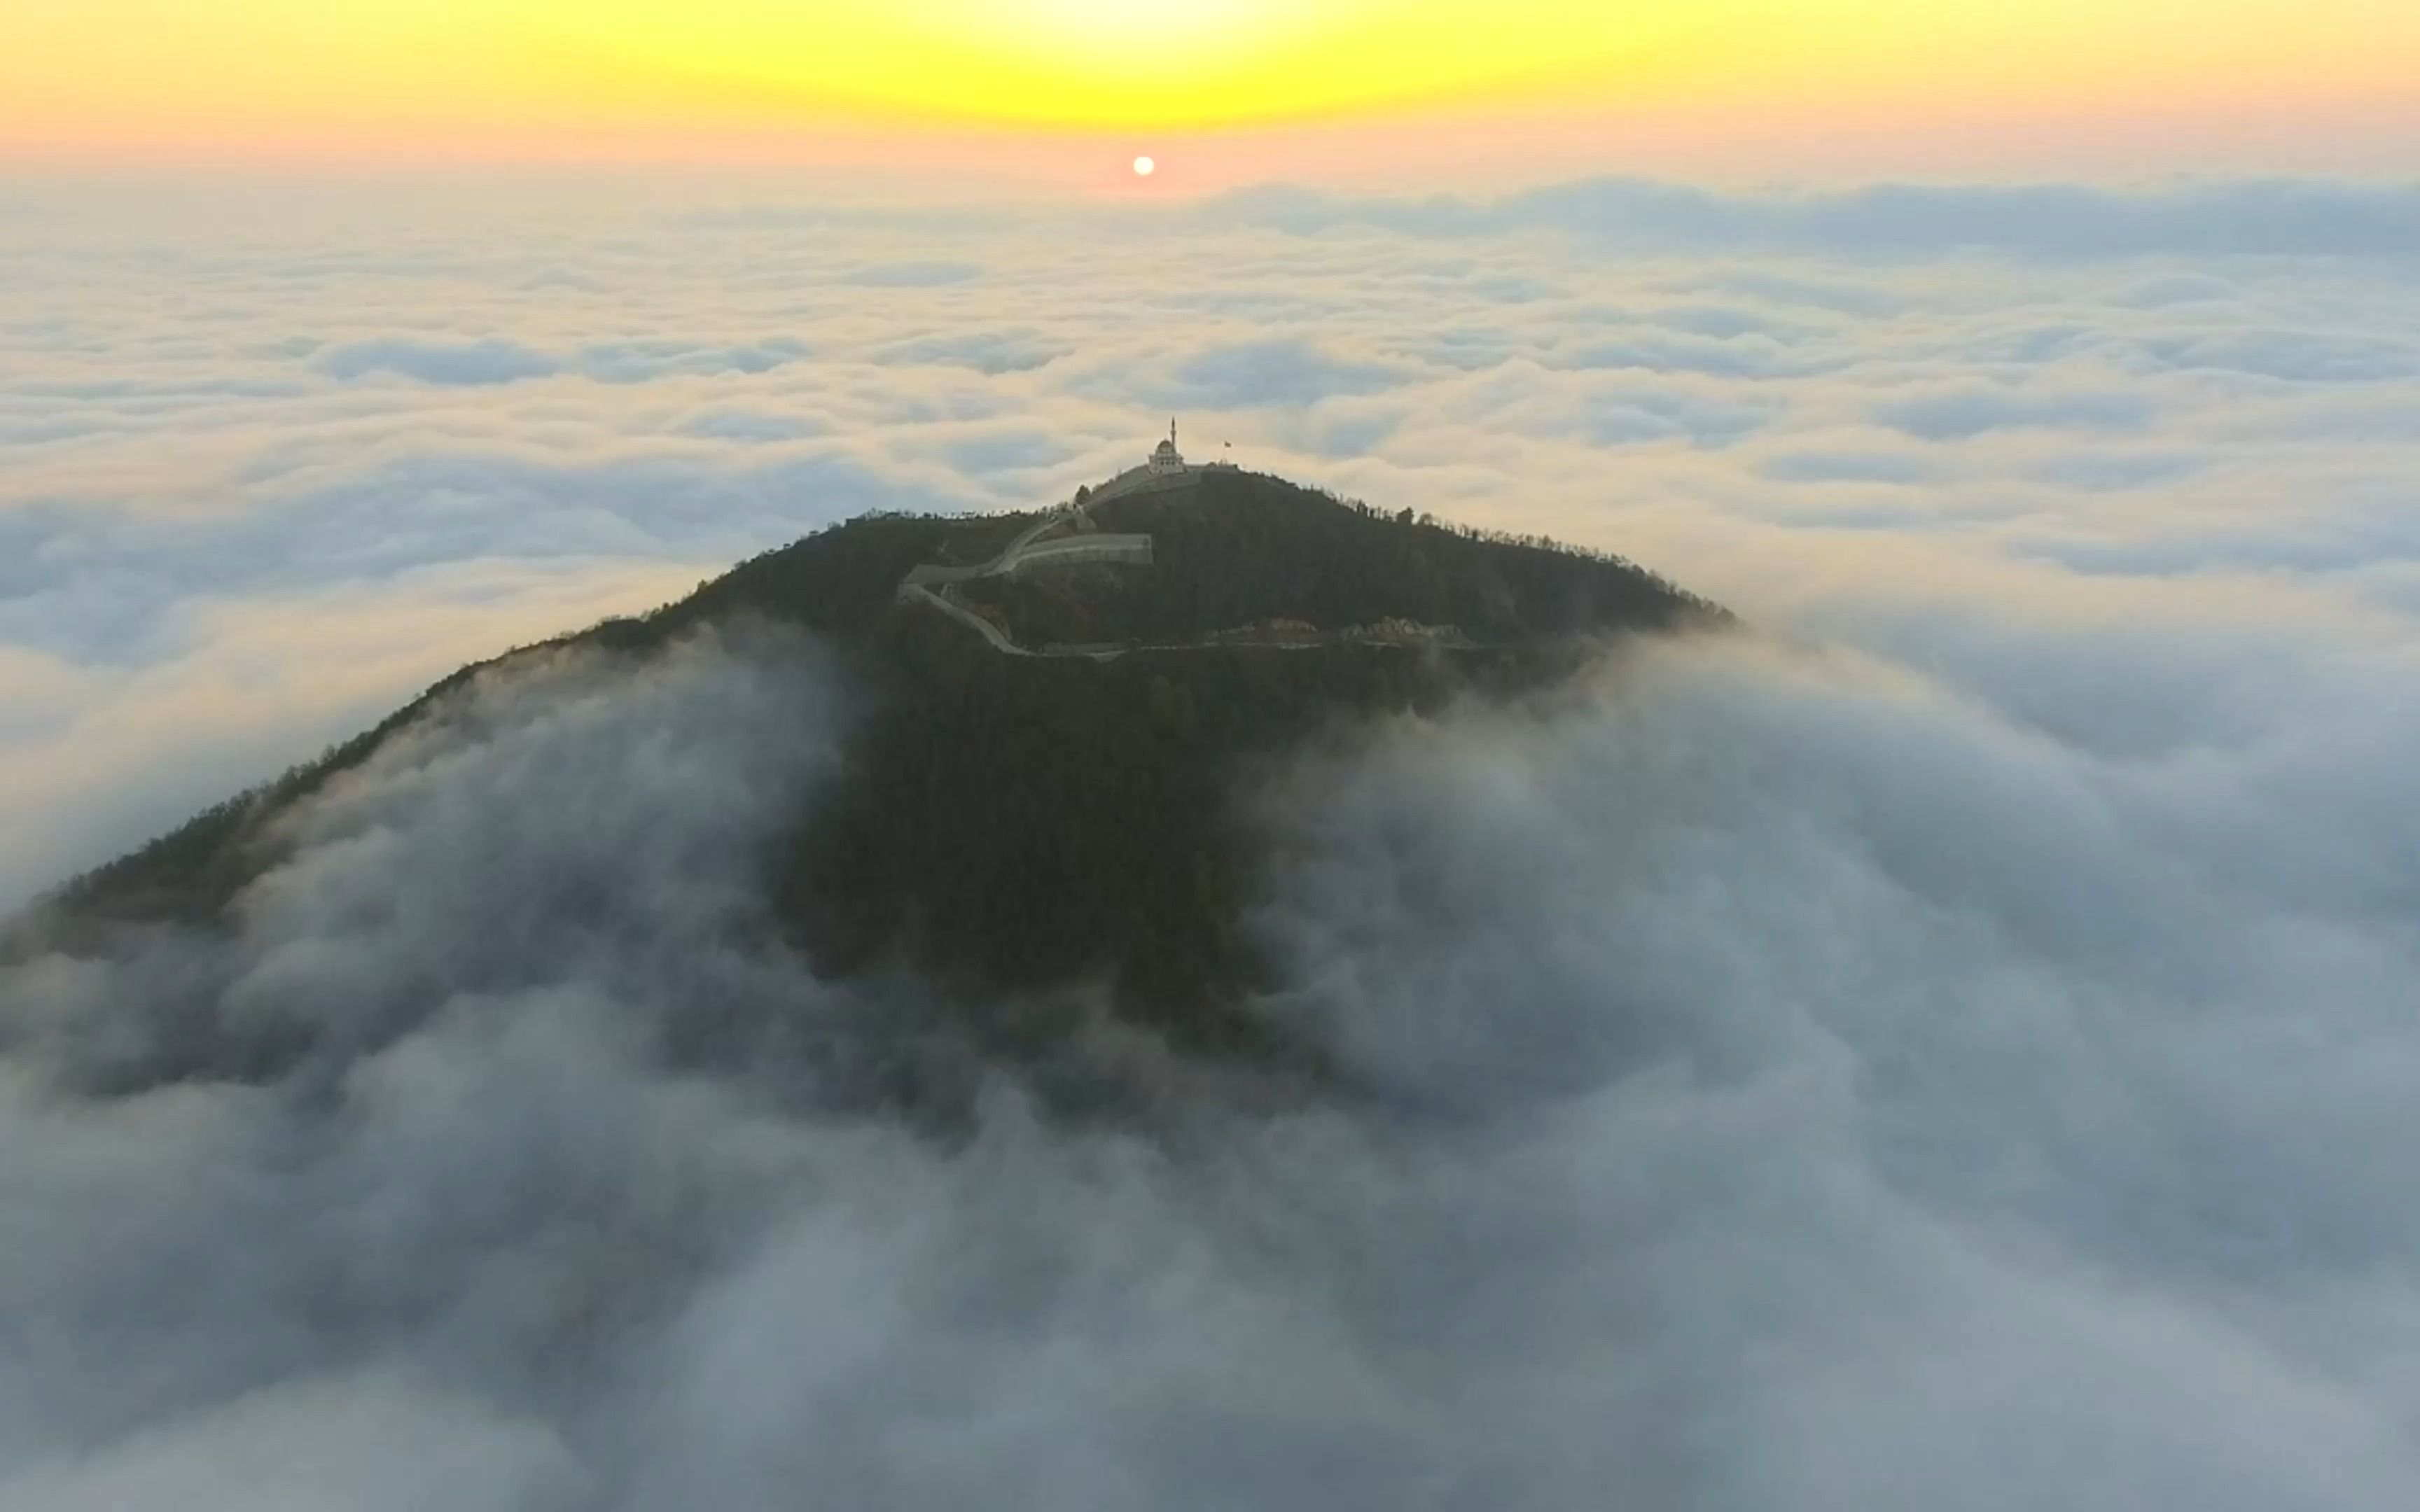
pixel 488 76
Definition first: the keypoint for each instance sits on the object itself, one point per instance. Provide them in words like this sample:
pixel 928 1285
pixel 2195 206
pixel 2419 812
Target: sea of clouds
pixel 1950 1046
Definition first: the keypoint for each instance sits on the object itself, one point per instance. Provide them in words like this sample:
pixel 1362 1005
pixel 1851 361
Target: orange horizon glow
pixel 759 81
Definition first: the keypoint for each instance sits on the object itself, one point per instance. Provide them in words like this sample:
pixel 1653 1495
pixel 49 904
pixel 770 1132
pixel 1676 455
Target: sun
pixel 1144 167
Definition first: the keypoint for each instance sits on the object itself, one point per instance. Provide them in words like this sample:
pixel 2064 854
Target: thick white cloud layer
pixel 1780 1081
pixel 1964 1064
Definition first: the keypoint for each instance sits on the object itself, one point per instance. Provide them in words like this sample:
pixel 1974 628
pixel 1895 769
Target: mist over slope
pixel 1775 1079
pixel 1006 820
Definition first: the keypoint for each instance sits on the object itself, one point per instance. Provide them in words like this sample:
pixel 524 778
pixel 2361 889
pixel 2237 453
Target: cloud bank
pixel 1951 1051
pixel 2281 217
pixel 489 421
pixel 1782 1081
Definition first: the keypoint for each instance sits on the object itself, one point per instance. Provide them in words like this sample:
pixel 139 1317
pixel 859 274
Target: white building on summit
pixel 1165 469
pixel 1165 459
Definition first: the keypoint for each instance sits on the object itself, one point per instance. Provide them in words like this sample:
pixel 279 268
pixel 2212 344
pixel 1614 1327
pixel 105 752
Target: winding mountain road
pixel 1030 549
pixel 1041 544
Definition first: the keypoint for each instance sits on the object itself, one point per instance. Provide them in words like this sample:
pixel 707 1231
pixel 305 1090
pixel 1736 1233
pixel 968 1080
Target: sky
pixel 1053 94
pixel 1950 1043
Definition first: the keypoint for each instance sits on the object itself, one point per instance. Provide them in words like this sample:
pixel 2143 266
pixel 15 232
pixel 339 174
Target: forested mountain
pixel 1008 825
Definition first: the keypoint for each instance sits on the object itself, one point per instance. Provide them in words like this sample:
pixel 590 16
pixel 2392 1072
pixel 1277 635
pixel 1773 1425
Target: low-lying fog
pixel 1789 1084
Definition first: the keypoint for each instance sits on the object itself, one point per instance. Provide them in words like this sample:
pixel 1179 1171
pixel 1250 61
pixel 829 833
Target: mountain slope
pixel 1055 826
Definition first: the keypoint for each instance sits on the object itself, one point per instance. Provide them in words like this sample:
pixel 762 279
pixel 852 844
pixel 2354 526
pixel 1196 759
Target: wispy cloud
pixel 493 360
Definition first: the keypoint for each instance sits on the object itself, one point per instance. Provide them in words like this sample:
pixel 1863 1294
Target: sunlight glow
pixel 503 70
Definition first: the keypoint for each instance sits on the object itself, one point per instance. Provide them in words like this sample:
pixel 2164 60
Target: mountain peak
pixel 1054 714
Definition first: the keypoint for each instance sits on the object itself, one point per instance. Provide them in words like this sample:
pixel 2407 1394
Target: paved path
pixel 1134 548
pixel 1029 549
pixel 1034 546
pixel 919 594
pixel 941 572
